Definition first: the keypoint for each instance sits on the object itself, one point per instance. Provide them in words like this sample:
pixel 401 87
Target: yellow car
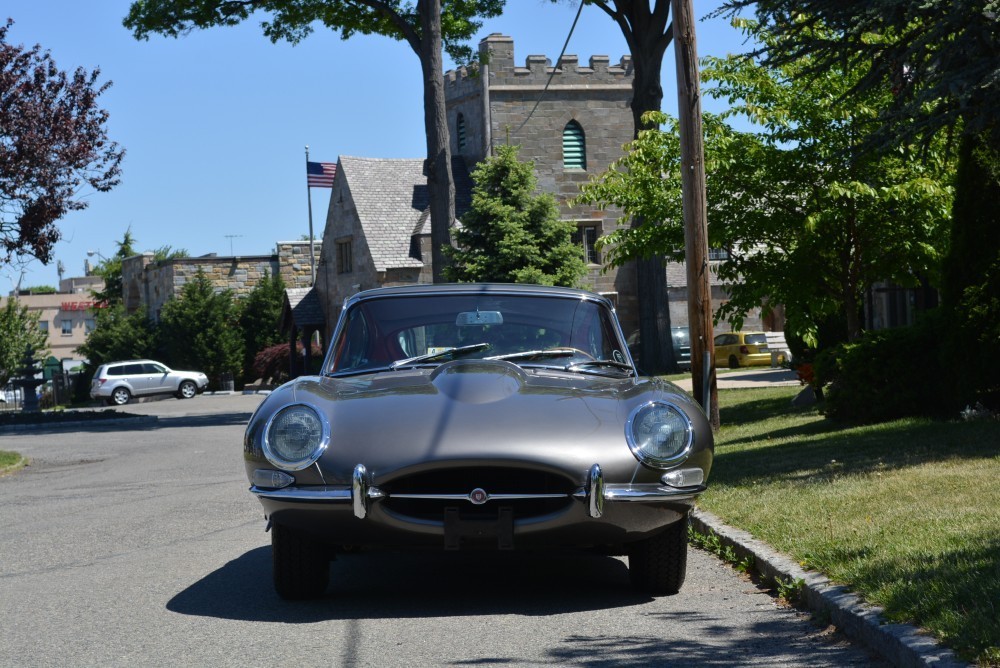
pixel 737 349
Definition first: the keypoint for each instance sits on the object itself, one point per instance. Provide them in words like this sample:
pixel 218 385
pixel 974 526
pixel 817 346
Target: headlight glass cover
pixel 295 437
pixel 659 434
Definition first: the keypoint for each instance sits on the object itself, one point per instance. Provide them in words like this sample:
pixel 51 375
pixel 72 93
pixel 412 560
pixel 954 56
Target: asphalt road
pixel 128 546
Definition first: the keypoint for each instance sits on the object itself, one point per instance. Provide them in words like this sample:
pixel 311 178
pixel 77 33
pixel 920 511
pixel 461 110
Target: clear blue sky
pixel 215 123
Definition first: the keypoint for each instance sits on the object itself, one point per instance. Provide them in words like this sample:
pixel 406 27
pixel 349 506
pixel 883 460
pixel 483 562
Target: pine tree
pixel 512 235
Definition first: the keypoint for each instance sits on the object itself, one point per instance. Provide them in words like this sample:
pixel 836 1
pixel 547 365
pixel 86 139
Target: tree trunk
pixel 440 185
pixel 656 354
pixel 695 211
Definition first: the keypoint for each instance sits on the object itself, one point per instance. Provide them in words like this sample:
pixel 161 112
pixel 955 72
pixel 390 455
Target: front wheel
pixel 658 565
pixel 301 569
pixel 187 390
pixel 734 362
pixel 120 396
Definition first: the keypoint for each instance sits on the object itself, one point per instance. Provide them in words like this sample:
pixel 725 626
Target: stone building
pixel 150 283
pixel 570 120
pixel 378 227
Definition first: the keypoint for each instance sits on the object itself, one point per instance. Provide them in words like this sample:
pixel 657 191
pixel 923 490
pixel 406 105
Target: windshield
pixel 542 331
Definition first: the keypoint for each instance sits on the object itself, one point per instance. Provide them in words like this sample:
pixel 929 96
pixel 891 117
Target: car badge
pixel 478 496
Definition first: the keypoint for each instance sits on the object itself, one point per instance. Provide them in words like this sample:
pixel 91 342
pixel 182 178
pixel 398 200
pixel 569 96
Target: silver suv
pixel 118 382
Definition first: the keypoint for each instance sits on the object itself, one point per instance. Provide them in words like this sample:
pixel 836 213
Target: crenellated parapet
pixel 497 52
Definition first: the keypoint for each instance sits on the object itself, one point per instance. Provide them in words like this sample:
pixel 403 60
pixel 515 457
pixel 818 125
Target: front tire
pixel 120 396
pixel 734 362
pixel 301 569
pixel 658 565
pixel 187 390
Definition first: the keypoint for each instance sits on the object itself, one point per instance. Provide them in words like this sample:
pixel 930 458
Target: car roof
pixel 477 288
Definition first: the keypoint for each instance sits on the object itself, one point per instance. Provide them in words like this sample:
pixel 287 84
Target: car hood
pixel 475 412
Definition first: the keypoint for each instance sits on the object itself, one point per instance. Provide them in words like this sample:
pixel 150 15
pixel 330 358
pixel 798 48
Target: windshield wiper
pixel 430 357
pixel 531 354
pixel 611 363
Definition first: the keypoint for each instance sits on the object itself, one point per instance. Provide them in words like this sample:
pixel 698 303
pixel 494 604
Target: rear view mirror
pixel 480 318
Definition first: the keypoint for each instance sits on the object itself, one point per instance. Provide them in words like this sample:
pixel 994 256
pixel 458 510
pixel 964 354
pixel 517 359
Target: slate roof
pixel 390 196
pixel 301 307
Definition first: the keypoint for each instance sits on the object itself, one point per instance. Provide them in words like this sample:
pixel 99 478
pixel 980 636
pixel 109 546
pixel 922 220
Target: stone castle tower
pixel 571 121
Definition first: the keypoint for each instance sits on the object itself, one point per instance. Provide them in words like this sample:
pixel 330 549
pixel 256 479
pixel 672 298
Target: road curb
pixel 80 424
pixel 902 645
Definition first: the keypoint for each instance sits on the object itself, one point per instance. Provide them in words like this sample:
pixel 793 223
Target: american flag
pixel 320 174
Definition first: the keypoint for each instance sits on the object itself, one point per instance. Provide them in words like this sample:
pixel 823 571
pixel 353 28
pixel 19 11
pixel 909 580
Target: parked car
pixel 477 416
pixel 737 349
pixel 118 382
pixel 681 339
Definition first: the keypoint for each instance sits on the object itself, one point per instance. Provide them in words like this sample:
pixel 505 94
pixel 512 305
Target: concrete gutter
pixel 900 644
pixel 134 420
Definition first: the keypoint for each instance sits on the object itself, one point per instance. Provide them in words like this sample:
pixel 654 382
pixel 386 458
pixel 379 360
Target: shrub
pixel 271 364
pixel 887 374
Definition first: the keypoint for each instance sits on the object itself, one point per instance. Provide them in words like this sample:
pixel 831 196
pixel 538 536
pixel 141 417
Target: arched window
pixel 574 147
pixel 460 132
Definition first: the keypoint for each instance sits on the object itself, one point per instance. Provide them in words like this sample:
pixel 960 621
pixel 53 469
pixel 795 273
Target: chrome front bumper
pixel 595 493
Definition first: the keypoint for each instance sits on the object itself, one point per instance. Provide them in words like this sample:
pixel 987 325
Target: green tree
pixel 110 269
pixel 426 26
pixel 812 214
pixel 940 59
pixel 259 318
pixel 18 330
pixel 511 235
pixel 810 217
pixel 118 335
pixel 199 330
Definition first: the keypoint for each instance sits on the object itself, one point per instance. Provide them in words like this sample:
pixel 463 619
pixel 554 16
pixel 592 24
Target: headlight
pixel 295 437
pixel 659 434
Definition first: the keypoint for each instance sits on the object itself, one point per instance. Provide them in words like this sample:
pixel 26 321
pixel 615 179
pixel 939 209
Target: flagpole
pixel 312 250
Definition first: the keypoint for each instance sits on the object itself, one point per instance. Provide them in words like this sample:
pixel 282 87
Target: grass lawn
pixel 905 513
pixel 10 461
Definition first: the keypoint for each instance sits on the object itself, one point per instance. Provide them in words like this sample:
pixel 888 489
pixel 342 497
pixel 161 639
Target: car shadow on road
pixel 211 420
pixel 376 585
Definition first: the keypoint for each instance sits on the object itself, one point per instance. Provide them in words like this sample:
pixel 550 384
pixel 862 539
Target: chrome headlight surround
pixel 659 415
pixel 314 439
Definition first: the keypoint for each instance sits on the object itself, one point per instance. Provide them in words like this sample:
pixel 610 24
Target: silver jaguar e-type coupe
pixel 477 416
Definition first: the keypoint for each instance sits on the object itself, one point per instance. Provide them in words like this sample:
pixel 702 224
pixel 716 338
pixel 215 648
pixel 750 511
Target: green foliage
pixel 293 20
pixel 18 330
pixel 259 317
pixel 118 335
pixel 938 57
pixel 888 374
pixel 511 235
pixel 812 216
pixel 199 330
pixel 645 184
pixel 711 542
pixel 972 341
pixel 110 270
pixel 40 290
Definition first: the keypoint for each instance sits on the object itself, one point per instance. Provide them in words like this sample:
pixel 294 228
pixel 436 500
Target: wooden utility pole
pixel 695 211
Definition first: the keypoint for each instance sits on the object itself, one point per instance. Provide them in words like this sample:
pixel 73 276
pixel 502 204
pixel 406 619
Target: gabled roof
pixel 302 309
pixel 390 196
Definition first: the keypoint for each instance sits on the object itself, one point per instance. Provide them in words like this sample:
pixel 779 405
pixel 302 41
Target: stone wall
pixel 151 283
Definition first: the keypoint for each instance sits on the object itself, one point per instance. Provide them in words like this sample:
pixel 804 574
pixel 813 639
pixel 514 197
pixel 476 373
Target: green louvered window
pixel 461 132
pixel 574 147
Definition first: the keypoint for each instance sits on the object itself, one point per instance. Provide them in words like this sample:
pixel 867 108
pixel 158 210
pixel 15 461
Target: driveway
pixel 130 546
